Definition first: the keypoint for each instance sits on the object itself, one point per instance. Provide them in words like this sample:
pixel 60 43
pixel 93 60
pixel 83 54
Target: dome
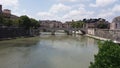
pixel 116 20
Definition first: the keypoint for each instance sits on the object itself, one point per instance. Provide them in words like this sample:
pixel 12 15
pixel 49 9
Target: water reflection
pixel 48 51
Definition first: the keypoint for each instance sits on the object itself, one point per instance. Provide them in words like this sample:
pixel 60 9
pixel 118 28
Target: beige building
pixel 115 23
pixel 51 24
pixel 91 31
pixel 7 11
pixel 90 25
pixel 67 25
pixel 113 26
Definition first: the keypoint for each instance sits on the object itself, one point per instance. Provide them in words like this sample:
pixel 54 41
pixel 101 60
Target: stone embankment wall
pixel 109 34
pixel 105 33
pixel 13 32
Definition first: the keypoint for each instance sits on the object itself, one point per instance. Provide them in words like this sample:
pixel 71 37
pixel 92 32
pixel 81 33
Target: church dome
pixel 116 20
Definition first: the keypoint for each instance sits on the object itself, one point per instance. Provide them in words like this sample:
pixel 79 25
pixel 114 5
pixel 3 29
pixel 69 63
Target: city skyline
pixel 64 10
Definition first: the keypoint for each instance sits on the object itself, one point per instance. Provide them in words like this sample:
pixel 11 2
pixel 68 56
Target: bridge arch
pixel 68 31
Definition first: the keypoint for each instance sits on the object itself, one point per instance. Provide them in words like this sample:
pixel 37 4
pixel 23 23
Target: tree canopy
pixel 108 56
pixel 77 24
pixel 102 25
pixel 22 21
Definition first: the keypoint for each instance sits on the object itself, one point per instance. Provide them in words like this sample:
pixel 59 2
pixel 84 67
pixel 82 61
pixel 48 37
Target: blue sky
pixel 64 10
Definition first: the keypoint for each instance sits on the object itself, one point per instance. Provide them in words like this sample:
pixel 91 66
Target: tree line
pixel 22 21
pixel 77 24
pixel 99 23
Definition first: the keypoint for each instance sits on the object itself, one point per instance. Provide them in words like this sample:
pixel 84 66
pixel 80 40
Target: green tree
pixel 108 56
pixel 24 21
pixel 102 26
pixel 74 24
pixel 1 19
pixel 77 24
pixel 8 22
pixel 34 23
pixel 16 22
pixel 80 24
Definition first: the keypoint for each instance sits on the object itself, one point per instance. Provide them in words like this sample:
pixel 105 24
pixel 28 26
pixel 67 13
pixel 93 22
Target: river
pixel 46 51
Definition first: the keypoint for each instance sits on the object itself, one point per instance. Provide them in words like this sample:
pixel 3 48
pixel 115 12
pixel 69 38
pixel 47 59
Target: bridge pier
pixel 69 32
pixel 75 31
pixel 53 32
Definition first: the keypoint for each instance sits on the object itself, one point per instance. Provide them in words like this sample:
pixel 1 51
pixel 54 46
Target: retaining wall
pixel 109 34
pixel 12 32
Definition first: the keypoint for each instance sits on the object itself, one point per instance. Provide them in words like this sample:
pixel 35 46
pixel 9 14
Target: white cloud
pixel 59 8
pixel 110 12
pixel 80 11
pixel 9 2
pixel 78 14
pixel 47 15
pixel 53 12
pixel 78 5
pixel 72 1
pixel 105 14
pixel 44 14
pixel 23 12
pixel 68 0
pixel 116 8
pixel 75 12
pixel 103 3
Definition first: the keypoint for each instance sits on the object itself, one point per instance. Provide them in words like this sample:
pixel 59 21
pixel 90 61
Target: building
pixel 90 25
pixel 50 24
pixel 67 24
pixel 113 26
pixel 13 17
pixel 0 9
pixel 91 31
pixel 7 11
pixel 96 23
pixel 7 14
pixel 115 23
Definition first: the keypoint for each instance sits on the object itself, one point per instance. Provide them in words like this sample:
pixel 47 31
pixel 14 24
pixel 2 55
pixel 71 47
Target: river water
pixel 46 51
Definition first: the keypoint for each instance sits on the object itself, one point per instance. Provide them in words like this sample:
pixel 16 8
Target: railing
pixel 62 28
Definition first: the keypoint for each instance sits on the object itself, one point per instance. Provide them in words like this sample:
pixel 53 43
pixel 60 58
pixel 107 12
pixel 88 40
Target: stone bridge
pixel 69 31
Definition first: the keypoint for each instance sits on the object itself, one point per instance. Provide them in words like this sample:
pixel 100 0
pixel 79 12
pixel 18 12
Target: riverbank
pixel 100 38
pixel 2 39
pixel 8 33
pixel 22 39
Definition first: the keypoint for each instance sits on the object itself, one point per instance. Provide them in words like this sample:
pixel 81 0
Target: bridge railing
pixel 61 28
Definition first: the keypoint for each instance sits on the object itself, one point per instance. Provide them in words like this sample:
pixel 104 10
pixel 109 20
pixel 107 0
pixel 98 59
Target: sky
pixel 64 10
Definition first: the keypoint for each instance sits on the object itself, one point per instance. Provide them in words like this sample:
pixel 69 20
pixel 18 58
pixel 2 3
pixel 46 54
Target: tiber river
pixel 46 51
